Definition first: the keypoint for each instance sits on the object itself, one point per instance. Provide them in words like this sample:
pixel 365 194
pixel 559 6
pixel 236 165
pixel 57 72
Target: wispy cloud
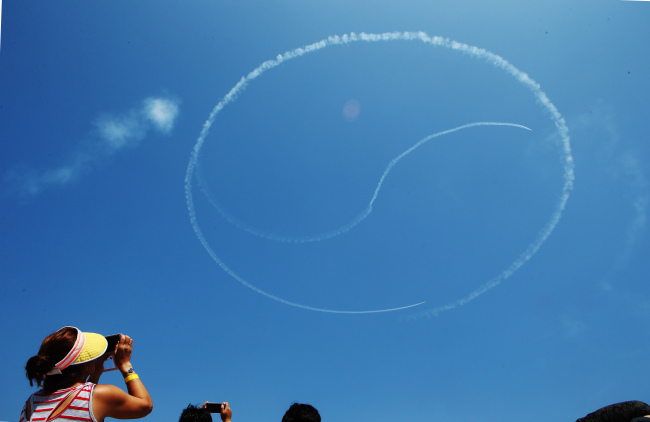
pixel 120 131
pixel 161 112
pixel 113 133
pixel 637 225
pixel 624 165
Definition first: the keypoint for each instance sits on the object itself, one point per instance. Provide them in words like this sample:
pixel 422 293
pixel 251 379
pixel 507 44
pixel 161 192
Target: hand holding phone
pixel 112 340
pixel 213 407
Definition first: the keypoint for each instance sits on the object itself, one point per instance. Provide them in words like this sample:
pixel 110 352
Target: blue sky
pixel 101 106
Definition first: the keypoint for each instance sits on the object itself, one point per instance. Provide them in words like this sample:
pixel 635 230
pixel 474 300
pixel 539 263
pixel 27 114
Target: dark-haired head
pixel 53 349
pixel 299 412
pixel 193 413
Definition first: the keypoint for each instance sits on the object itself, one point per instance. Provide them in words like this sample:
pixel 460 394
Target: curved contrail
pixel 358 219
pixel 479 53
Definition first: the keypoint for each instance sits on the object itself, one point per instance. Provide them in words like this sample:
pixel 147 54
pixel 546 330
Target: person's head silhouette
pixel 299 412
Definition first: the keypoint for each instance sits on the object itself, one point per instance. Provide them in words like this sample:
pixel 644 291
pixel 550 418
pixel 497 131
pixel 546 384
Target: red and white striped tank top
pixel 78 409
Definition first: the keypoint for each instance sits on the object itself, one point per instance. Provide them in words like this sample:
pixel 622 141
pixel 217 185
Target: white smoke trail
pixel 479 53
pixel 347 227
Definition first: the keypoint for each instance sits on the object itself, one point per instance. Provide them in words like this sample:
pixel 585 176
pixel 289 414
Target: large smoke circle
pixel 476 52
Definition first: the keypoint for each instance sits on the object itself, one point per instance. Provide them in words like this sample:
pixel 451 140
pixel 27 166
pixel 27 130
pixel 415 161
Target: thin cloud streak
pixel 636 227
pixel 623 165
pixel 113 133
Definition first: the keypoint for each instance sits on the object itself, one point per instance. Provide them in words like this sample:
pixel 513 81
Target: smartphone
pixel 213 407
pixel 113 339
pixel 109 364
